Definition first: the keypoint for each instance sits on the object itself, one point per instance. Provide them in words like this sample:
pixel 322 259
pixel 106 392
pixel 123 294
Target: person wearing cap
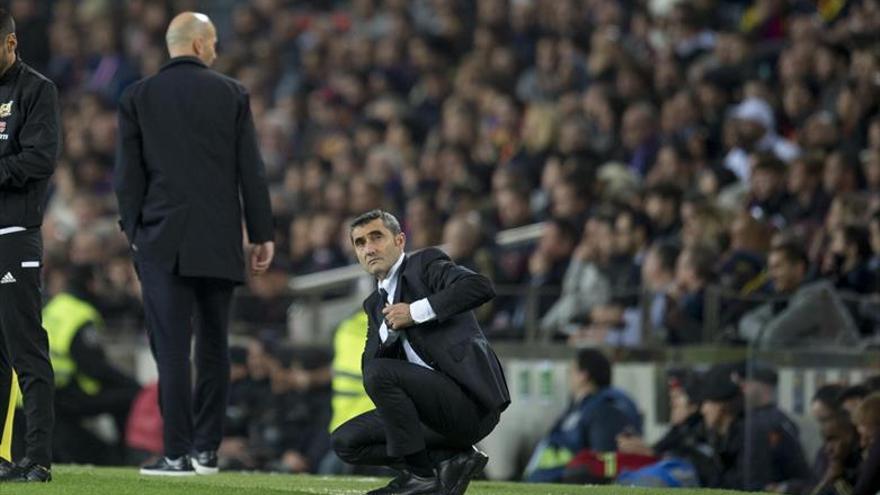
pixel 755 128
pixel 740 464
pixel 768 422
pixel 686 439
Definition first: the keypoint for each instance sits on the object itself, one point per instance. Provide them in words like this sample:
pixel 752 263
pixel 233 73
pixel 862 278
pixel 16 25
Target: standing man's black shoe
pixel 396 484
pixel 456 473
pixel 169 467
pixel 205 462
pixel 31 472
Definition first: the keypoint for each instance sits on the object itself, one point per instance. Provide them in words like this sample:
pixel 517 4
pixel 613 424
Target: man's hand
pixel 261 257
pixel 633 444
pixel 398 316
pixel 295 462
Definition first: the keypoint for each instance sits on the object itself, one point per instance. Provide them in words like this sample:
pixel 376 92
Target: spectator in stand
pixel 325 253
pixel 585 284
pixel 694 271
pixel 839 460
pixel 547 266
pixel 662 203
pixel 867 421
pixel 809 202
pixel 267 300
pixel 826 402
pixel 640 137
pixel 755 130
pixel 852 397
pixel 619 325
pixel 632 233
pixel 463 242
pixel 812 312
pixel 571 200
pixel 597 415
pixel 768 195
pixel 846 263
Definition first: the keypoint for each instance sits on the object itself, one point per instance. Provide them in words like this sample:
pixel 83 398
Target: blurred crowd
pixel 670 146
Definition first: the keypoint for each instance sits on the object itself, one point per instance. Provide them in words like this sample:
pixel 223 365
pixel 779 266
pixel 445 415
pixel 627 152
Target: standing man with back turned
pixel 187 160
pixel 437 385
pixel 29 145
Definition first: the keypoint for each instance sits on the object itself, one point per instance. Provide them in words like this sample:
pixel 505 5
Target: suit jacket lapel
pixel 401 281
pixel 370 306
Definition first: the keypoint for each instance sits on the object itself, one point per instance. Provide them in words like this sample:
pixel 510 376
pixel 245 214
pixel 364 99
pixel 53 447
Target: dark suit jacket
pixel 452 343
pixel 187 149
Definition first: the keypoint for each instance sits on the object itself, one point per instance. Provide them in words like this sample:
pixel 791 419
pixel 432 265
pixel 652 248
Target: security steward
pixel 29 146
pixel 86 383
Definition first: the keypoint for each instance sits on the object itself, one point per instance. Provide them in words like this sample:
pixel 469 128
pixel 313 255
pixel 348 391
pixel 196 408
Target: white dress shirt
pixel 11 230
pixel 420 311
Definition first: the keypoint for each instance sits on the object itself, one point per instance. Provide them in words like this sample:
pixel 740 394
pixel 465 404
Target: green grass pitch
pixel 82 480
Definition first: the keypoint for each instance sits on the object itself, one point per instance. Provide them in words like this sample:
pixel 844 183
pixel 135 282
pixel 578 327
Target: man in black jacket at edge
pixel 437 384
pixel 187 167
pixel 30 142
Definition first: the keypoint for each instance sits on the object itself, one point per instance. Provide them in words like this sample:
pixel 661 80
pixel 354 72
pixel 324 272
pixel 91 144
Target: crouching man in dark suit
pixel 437 385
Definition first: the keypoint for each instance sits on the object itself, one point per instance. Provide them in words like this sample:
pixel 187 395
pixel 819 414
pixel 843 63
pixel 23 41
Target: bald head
pixel 192 34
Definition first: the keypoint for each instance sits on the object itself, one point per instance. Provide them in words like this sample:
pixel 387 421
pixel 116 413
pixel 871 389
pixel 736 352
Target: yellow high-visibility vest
pixel 349 397
pixel 63 317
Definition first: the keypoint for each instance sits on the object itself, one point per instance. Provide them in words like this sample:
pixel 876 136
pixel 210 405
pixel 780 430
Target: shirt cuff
pixel 421 311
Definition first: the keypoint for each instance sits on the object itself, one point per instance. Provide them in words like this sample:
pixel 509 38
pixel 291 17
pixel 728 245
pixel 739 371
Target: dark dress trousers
pixel 187 162
pixel 445 409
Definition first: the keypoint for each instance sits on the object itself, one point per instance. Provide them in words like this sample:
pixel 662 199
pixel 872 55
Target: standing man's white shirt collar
pixel 421 311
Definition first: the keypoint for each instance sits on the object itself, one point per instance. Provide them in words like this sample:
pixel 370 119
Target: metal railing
pixel 719 323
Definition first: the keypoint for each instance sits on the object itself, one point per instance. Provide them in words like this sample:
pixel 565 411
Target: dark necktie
pixel 393 335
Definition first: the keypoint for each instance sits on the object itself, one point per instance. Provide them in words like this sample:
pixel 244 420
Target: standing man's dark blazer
pixel 182 216
pixel 452 343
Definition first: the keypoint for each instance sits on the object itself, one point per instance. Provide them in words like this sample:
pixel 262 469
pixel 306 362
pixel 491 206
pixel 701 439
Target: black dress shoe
pixel 169 467
pixel 25 471
pixel 456 473
pixel 419 485
pixel 33 473
pixel 205 462
pixel 395 484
